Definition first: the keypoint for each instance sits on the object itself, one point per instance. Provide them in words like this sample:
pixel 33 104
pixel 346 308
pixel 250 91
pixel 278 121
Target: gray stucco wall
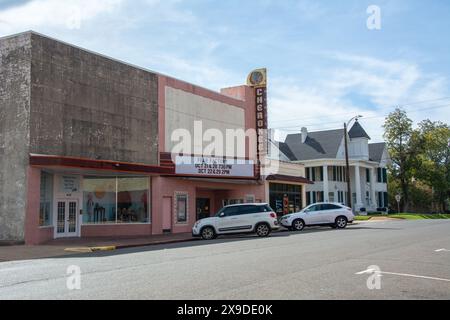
pixel 85 105
pixel 15 63
pixel 57 99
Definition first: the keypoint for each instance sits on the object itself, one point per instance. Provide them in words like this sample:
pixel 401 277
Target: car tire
pixel 208 233
pixel 262 230
pixel 298 225
pixel 341 222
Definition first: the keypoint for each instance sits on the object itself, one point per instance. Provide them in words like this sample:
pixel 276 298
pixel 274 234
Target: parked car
pixel 256 218
pixel 333 214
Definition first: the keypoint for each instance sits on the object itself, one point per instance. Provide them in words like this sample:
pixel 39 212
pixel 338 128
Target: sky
pixel 324 64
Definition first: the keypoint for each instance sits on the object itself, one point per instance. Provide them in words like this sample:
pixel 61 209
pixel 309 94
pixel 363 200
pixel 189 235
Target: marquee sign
pixel 258 80
pixel 211 166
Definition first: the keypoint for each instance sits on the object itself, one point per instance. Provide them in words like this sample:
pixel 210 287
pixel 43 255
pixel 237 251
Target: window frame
pixel 176 204
pixel 116 221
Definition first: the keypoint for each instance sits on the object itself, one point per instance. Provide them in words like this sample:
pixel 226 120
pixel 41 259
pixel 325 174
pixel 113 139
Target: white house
pixel 323 154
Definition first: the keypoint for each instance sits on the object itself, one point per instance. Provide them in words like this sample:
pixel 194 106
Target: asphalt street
pixel 319 263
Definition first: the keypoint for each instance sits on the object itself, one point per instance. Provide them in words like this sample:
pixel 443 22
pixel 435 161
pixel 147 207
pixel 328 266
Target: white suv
pixel 333 214
pixel 256 218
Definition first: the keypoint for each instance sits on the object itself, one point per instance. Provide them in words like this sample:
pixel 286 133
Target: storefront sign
pixel 69 184
pixel 210 166
pixel 258 80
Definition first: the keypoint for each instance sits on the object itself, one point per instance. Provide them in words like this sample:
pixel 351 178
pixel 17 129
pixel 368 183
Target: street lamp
pixel 347 165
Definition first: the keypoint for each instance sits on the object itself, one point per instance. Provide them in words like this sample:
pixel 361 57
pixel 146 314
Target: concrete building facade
pixel 87 147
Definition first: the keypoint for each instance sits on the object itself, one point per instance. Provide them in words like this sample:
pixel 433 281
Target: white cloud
pixel 69 14
pixel 328 102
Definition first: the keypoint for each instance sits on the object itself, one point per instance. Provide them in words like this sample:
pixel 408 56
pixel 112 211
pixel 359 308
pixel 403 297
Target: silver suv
pixel 256 218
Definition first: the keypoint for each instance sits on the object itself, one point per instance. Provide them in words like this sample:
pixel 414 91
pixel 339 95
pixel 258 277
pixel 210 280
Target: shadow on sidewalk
pixel 195 242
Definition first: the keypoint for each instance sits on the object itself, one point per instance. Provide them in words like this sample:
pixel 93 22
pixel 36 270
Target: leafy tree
pixel 434 167
pixel 404 144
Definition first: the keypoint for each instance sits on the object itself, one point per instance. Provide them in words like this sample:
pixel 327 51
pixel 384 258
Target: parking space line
pixel 369 271
pixel 441 250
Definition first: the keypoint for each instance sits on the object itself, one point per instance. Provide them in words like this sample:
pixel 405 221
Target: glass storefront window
pixel 285 198
pixel 99 200
pixel 46 200
pixel 115 200
pixel 132 200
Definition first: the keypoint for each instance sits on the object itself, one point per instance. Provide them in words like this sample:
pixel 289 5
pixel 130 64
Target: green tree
pixel 404 144
pixel 434 169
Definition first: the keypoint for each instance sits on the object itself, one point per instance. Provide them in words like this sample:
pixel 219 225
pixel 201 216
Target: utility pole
pixel 347 168
pixel 347 165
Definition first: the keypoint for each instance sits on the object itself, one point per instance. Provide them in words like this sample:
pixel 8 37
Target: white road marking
pixel 403 275
pixel 441 250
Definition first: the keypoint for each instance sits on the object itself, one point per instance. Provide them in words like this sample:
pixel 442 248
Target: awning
pixel 48 161
pixel 282 177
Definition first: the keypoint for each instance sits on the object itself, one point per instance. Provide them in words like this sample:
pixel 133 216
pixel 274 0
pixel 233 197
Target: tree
pixel 434 167
pixel 404 144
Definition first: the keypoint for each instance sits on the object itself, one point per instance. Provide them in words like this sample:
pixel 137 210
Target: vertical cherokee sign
pixel 257 79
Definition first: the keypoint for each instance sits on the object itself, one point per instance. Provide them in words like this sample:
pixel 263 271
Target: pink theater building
pixel 87 144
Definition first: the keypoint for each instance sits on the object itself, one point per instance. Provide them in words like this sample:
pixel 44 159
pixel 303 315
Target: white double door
pixel 66 218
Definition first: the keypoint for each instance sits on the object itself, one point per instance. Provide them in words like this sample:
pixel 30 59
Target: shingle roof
pixel 376 151
pixel 286 150
pixel 318 145
pixel 357 132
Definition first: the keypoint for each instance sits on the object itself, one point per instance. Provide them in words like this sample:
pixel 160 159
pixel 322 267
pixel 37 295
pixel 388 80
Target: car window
pixel 264 208
pixel 313 208
pixel 329 206
pixel 248 209
pixel 232 211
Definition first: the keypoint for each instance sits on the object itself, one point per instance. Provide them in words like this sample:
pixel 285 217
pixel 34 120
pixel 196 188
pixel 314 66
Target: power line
pixel 371 117
pixel 387 107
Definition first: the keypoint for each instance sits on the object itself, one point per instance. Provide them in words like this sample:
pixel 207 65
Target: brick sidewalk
pixel 63 247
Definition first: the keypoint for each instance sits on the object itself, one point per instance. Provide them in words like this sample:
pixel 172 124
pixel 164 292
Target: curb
pixel 125 246
pixel 90 249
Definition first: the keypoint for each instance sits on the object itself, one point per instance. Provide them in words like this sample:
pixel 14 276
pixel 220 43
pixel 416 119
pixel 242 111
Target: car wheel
pixel 208 233
pixel 262 230
pixel 298 225
pixel 341 222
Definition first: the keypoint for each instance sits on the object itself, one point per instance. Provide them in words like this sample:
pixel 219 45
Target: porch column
pixel 325 184
pixel 372 188
pixel 304 196
pixel 357 186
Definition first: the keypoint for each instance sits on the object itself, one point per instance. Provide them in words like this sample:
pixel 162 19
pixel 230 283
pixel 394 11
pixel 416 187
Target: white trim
pixel 67 234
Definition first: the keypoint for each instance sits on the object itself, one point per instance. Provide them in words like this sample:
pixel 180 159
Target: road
pixel 318 263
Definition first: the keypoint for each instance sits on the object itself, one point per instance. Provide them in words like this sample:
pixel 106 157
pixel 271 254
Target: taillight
pixel 273 215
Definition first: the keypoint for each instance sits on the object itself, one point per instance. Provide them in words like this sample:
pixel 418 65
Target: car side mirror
pixel 222 215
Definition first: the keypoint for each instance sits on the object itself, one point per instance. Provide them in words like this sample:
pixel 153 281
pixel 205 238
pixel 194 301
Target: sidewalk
pixel 70 246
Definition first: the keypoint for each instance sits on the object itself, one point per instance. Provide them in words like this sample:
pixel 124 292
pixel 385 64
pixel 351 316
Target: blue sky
pixel 324 64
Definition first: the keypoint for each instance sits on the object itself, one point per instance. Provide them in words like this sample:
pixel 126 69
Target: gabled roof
pixel 286 150
pixel 376 151
pixel 318 145
pixel 281 151
pixel 357 131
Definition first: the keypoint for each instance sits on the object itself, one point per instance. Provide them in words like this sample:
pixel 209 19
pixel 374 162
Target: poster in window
pixel 181 208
